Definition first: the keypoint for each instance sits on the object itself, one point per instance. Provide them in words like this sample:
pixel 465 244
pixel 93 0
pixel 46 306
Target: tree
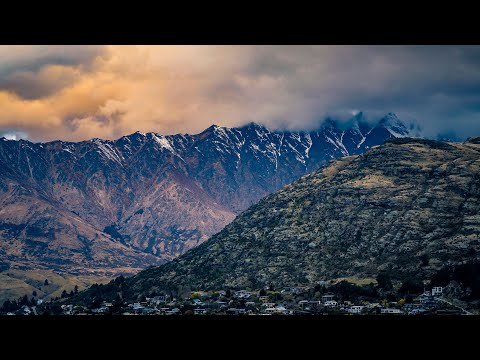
pixel 410 286
pixel 7 305
pixel 384 281
pixel 228 293
pixel 34 293
pixel 263 292
pixel 45 282
pixel 64 294
pixel 24 300
pixel 75 290
pixel 424 258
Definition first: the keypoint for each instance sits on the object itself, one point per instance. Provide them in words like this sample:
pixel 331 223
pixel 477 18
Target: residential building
pixel 327 297
pixel 355 309
pixel 437 291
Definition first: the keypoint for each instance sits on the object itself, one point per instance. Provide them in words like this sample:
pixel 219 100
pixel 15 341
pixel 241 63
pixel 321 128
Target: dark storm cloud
pixel 439 86
pixel 37 71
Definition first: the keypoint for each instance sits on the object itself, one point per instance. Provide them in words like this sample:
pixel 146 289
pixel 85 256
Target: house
pixel 243 294
pixel 197 302
pixel 264 298
pixel 437 291
pixel 427 300
pixel 175 311
pixel 390 311
pixel 157 300
pixel 269 305
pixel 232 311
pixel 356 309
pixel 270 310
pixel 199 311
pixel 250 303
pixel 137 307
pixel 102 310
pixel 290 290
pixel 281 310
pixel 331 303
pixel 327 297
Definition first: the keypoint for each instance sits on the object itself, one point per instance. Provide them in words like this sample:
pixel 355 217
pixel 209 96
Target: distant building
pixel 290 290
pixel 199 311
pixel 437 291
pixel 331 303
pixel 327 297
pixel 233 311
pixel 243 294
pixel 390 311
pixel 356 309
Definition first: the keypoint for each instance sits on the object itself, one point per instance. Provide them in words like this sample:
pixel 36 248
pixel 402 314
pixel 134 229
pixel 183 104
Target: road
pixel 452 304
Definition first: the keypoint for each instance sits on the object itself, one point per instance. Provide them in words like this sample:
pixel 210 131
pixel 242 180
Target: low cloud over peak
pixel 79 92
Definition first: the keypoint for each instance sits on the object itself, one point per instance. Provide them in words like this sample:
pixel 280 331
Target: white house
pixel 390 311
pixel 331 303
pixel 326 298
pixel 356 309
pixel 243 294
pixel 199 311
pixel 437 291
pixel 281 310
pixel 269 305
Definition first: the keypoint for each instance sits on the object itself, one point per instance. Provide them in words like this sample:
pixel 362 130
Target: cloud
pixel 80 92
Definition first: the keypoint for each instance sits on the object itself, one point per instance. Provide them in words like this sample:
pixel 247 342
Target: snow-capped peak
pixel 393 124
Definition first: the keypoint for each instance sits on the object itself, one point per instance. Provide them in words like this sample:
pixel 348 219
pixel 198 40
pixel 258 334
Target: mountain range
pixel 406 208
pixel 118 206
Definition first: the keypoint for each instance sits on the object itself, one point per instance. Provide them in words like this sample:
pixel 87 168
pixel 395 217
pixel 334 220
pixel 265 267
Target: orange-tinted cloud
pixel 80 92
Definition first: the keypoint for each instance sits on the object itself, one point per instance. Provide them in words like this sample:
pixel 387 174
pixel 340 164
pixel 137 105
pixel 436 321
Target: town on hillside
pixel 319 300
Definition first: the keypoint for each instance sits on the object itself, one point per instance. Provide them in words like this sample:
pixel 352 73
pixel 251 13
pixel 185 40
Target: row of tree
pixel 15 305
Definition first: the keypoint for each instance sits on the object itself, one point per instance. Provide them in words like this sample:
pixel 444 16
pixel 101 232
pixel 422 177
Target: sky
pixel 81 92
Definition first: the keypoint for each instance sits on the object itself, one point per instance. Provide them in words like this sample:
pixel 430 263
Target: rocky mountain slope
pixel 407 207
pixel 108 204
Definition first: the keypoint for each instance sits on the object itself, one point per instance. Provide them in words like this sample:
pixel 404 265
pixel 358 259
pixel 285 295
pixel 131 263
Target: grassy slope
pixel 17 283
